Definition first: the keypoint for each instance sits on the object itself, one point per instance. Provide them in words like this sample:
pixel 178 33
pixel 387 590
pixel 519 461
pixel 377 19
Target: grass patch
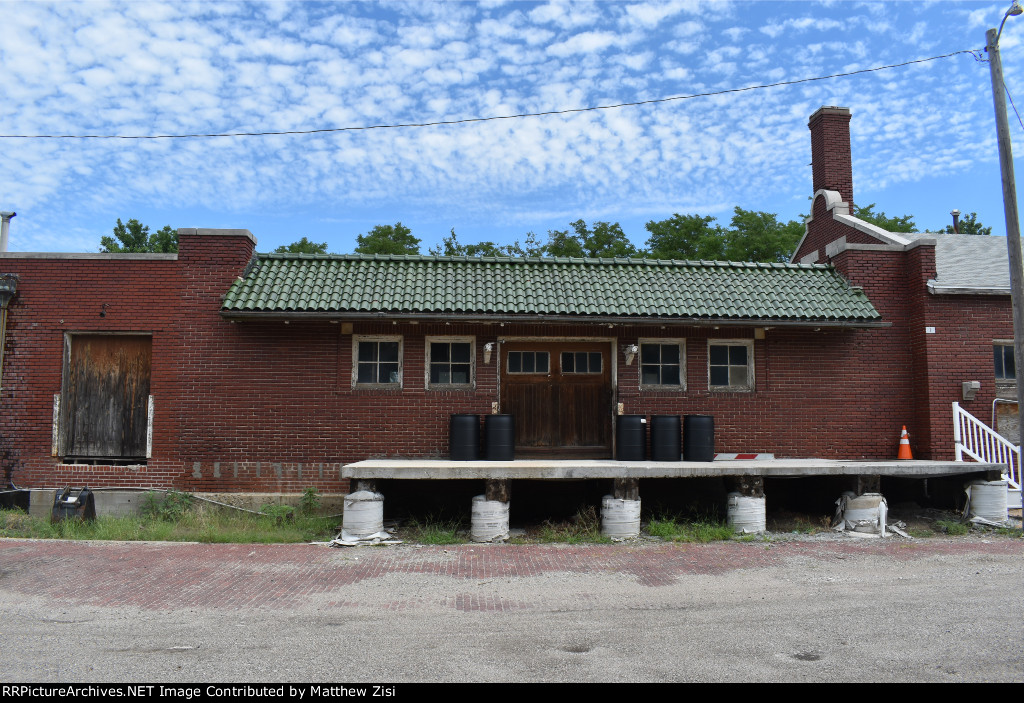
pixel 677 529
pixel 583 527
pixel 169 521
pixel 433 530
pixel 952 527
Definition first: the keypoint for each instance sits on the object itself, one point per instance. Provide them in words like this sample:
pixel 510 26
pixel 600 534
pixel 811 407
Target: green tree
pixel 451 246
pixel 604 240
pixel 880 219
pixel 759 236
pixel 562 242
pixel 692 237
pixel 970 225
pixel 303 246
pixel 135 238
pixel 387 239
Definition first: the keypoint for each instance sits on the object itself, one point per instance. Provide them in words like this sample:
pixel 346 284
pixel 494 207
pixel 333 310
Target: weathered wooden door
pixel 105 397
pixel 561 396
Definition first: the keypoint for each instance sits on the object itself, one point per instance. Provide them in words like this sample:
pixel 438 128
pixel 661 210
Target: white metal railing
pixel 981 443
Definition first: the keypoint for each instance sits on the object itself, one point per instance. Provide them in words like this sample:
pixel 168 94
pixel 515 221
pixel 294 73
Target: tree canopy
pixel 135 238
pixel 303 246
pixel 903 223
pixel 691 237
pixel 753 236
pixel 451 246
pixel 759 236
pixel 388 239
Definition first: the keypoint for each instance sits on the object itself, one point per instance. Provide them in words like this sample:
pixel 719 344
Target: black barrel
pixel 665 438
pixel 698 438
pixel 464 438
pixel 631 438
pixel 499 437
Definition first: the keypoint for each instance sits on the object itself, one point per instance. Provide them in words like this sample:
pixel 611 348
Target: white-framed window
pixel 376 361
pixel 1003 362
pixel 662 364
pixel 450 362
pixel 731 364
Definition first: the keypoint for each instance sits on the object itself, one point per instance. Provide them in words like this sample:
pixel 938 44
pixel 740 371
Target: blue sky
pixel 923 136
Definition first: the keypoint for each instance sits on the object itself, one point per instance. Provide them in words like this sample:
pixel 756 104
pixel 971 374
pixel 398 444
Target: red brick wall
pixel 269 406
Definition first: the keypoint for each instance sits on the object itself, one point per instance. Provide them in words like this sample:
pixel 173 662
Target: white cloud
pixel 800 25
pixel 584 43
pixel 198 68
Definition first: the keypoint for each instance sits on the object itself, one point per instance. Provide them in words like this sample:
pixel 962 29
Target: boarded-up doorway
pixel 561 396
pixel 104 411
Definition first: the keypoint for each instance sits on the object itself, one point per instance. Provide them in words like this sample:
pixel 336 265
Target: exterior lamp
pixel 488 348
pixel 1009 200
pixel 629 351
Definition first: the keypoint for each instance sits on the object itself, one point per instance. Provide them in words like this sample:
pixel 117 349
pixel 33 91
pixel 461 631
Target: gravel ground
pixel 798 607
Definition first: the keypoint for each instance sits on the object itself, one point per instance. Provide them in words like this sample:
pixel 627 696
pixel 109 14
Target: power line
pixel 468 120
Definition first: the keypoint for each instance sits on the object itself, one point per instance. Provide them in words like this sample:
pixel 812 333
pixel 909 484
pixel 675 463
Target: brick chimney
pixel 831 163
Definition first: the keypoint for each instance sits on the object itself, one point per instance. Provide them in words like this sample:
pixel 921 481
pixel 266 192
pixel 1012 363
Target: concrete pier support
pixel 626 488
pixel 498 489
pixel 866 483
pixel 750 486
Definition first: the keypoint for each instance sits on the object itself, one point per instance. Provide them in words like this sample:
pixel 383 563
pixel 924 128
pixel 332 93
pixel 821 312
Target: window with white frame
pixel 377 361
pixel 730 364
pixel 450 362
pixel 1003 362
pixel 663 363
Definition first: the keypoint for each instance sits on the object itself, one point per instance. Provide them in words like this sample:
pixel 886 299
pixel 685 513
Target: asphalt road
pixel 829 609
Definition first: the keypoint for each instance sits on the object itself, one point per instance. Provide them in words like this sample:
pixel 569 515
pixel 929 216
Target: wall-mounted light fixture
pixel 488 348
pixel 629 351
pixel 970 389
pixel 103 309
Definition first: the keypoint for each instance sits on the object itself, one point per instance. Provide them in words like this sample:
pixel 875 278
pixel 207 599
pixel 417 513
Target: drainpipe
pixel 8 287
pixel 5 226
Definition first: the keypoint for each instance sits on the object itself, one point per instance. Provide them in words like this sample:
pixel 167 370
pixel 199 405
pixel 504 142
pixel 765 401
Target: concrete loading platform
pixel 444 469
pixel 744 476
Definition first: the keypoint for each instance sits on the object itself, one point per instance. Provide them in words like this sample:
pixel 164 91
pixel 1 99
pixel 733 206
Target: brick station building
pixel 220 369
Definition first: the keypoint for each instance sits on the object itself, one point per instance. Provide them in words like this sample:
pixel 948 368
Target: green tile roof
pixel 506 287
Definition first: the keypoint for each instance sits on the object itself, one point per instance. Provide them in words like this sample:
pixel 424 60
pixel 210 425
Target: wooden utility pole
pixel 1010 209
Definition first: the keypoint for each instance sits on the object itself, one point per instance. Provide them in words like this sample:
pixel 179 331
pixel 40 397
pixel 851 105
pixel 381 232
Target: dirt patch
pixel 915 520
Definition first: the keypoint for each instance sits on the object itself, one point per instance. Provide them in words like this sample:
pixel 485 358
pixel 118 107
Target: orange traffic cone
pixel 904 452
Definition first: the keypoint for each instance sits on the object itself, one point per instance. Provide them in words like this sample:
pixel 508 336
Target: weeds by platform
pixel 177 517
pixel 675 528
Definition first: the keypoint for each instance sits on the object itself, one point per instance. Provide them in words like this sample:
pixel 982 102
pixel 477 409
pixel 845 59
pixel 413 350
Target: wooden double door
pixel 561 396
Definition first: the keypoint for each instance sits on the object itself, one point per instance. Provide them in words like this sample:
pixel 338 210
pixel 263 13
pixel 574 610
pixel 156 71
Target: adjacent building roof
pixel 966 263
pixel 487 287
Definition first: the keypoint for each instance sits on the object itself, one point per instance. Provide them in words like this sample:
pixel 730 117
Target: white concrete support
pixel 746 514
pixel 489 520
pixel 620 518
pixel 364 517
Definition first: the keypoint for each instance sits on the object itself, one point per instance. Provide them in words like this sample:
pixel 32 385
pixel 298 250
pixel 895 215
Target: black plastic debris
pixel 77 503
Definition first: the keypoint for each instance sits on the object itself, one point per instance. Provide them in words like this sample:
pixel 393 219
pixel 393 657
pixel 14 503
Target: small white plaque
pixel 929 330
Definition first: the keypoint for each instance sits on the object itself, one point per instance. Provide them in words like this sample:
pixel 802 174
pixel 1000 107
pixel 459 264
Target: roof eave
pixel 335 315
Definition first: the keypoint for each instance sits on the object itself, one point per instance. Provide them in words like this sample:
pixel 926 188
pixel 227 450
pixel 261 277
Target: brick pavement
pixel 164 576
